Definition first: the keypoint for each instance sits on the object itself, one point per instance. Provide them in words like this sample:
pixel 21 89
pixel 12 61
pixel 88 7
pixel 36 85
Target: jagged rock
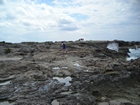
pixel 98 75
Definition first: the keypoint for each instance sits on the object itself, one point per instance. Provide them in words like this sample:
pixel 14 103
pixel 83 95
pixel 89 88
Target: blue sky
pixel 69 20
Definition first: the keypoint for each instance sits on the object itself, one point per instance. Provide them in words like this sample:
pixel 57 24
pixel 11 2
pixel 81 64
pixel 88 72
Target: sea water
pixel 133 54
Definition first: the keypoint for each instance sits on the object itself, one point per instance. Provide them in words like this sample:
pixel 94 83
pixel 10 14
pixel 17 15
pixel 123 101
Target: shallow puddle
pixel 5 83
pixel 121 100
pixel 117 101
pixel 7 78
pixel 9 59
pixel 56 68
pixel 65 93
pixel 78 66
pixel 55 102
pixel 64 67
pixel 64 80
pixel 86 70
pixel 6 103
pixel 103 103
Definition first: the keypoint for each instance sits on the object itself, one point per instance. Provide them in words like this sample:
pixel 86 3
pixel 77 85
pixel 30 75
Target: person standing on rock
pixel 64 47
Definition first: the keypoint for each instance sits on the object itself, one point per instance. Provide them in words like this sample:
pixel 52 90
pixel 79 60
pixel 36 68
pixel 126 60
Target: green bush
pixel 7 51
pixel 3 42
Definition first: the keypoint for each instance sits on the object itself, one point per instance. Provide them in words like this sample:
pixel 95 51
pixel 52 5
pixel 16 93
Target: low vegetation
pixel 7 51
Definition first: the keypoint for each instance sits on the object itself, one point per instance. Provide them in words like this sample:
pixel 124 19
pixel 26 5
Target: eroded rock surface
pixel 34 73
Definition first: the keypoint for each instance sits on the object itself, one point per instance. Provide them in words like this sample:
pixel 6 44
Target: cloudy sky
pixel 69 20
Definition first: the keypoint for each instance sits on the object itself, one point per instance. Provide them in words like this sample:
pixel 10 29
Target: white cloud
pixel 2 2
pixel 69 19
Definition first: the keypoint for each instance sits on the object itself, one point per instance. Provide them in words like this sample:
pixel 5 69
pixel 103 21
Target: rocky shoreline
pixel 33 73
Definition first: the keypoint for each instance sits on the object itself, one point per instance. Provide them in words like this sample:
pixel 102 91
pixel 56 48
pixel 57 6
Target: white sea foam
pixel 133 54
pixel 113 46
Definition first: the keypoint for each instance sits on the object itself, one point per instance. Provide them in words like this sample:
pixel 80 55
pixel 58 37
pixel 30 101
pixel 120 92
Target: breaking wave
pixel 133 54
pixel 113 46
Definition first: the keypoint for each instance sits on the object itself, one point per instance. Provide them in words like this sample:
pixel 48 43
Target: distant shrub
pixel 9 43
pixel 7 51
pixel 3 42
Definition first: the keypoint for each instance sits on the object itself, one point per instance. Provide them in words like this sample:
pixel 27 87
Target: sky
pixel 69 20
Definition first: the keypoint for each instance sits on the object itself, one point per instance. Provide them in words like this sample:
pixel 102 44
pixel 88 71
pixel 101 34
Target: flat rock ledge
pixel 33 73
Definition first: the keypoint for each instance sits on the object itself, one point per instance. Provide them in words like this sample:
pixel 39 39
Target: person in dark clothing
pixel 64 47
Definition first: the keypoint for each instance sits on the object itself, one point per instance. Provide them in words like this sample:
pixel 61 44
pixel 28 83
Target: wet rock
pixel 6 92
pixel 7 78
pixel 98 75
